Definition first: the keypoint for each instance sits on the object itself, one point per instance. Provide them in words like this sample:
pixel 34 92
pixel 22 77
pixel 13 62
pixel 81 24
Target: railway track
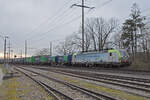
pixel 99 74
pixel 128 82
pixel 107 76
pixel 115 70
pixel 90 93
pixel 99 69
pixel 49 89
pixel 124 83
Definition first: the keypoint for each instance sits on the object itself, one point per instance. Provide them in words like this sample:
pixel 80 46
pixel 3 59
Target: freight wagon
pixel 107 58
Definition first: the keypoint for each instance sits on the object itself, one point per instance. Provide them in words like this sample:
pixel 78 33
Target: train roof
pixel 102 51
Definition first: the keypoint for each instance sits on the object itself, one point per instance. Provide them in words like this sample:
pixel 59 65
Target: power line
pixel 82 6
pixel 52 18
pixel 54 24
pixel 54 27
pixel 74 18
pixel 102 5
pixel 105 3
pixel 45 33
pixel 61 25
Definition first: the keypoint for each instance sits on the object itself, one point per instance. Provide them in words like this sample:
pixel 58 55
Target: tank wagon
pixel 107 58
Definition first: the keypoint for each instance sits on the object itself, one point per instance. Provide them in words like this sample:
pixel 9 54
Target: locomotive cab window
pixel 110 54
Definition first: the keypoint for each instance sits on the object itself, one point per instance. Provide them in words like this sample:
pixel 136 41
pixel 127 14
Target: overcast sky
pixel 41 21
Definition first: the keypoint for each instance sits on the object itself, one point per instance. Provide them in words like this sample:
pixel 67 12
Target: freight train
pixel 106 58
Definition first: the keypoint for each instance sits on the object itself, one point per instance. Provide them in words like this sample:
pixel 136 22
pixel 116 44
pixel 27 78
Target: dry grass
pixel 9 90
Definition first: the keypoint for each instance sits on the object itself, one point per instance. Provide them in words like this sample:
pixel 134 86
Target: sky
pixel 42 21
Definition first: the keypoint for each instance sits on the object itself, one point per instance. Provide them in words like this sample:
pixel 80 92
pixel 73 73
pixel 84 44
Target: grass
pixel 9 89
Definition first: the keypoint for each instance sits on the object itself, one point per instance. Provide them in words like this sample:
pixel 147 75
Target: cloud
pixel 19 17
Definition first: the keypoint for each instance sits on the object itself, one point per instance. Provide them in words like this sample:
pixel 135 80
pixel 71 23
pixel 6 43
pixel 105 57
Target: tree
pixel 145 39
pixel 127 35
pixel 97 32
pixel 131 29
pixel 77 39
pixel 67 46
pixel 100 30
pixel 118 43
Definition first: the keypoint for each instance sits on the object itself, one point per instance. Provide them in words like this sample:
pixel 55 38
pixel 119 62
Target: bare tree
pixel 67 47
pixel 145 37
pixel 97 32
pixel 117 40
pixel 100 30
pixel 77 40
pixel 90 29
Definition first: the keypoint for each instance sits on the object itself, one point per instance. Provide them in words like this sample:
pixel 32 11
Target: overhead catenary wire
pixel 51 23
pixel 37 35
pixel 51 18
pixel 103 4
pixel 63 25
pixel 59 21
pixel 45 33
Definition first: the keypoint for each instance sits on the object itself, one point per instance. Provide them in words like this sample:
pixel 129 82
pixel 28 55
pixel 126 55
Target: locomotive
pixel 106 58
